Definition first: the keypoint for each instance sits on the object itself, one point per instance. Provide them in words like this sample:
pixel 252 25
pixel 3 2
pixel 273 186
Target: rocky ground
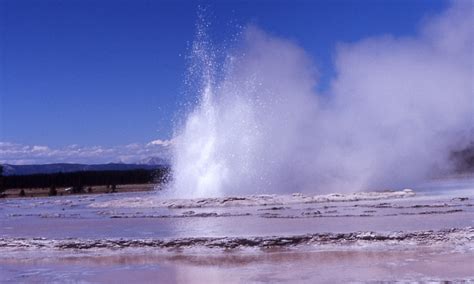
pixel 461 237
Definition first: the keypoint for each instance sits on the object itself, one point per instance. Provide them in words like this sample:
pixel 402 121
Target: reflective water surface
pixel 438 205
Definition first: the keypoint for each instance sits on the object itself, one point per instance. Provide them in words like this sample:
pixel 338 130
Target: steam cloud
pixel 390 117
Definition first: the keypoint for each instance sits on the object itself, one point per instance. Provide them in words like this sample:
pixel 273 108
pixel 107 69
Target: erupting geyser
pixel 390 117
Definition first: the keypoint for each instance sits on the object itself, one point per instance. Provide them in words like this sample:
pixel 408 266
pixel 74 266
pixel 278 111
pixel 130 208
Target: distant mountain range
pixel 147 164
pixel 155 161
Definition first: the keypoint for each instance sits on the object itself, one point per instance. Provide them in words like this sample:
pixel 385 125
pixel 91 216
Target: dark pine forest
pixel 83 178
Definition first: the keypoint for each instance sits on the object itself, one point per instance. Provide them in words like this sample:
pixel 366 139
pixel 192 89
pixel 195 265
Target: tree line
pixel 83 178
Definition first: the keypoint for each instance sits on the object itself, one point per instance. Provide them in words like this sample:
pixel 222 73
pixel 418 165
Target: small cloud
pixel 6 144
pixel 133 146
pixel 159 142
pixel 73 146
pixel 39 148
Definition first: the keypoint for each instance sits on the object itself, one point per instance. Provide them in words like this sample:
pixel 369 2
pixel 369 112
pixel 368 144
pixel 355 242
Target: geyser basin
pixel 389 235
pixel 394 111
pixel 146 215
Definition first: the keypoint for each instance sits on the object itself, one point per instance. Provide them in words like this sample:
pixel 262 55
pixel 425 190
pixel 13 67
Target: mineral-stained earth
pixel 420 234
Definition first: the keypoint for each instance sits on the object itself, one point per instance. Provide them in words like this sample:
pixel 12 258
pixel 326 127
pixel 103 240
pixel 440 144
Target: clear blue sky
pixel 111 72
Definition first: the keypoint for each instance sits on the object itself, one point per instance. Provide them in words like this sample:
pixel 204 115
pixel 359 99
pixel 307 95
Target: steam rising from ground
pixel 395 109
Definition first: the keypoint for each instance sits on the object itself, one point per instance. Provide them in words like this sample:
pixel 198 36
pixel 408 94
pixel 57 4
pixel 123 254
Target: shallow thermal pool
pixel 141 236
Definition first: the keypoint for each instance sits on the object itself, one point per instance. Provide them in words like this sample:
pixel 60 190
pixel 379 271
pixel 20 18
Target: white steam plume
pixel 395 109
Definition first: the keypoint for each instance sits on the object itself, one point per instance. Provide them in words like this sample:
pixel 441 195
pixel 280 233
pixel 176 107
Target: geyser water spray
pixel 392 113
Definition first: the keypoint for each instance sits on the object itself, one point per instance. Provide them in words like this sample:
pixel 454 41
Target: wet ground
pixel 426 235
